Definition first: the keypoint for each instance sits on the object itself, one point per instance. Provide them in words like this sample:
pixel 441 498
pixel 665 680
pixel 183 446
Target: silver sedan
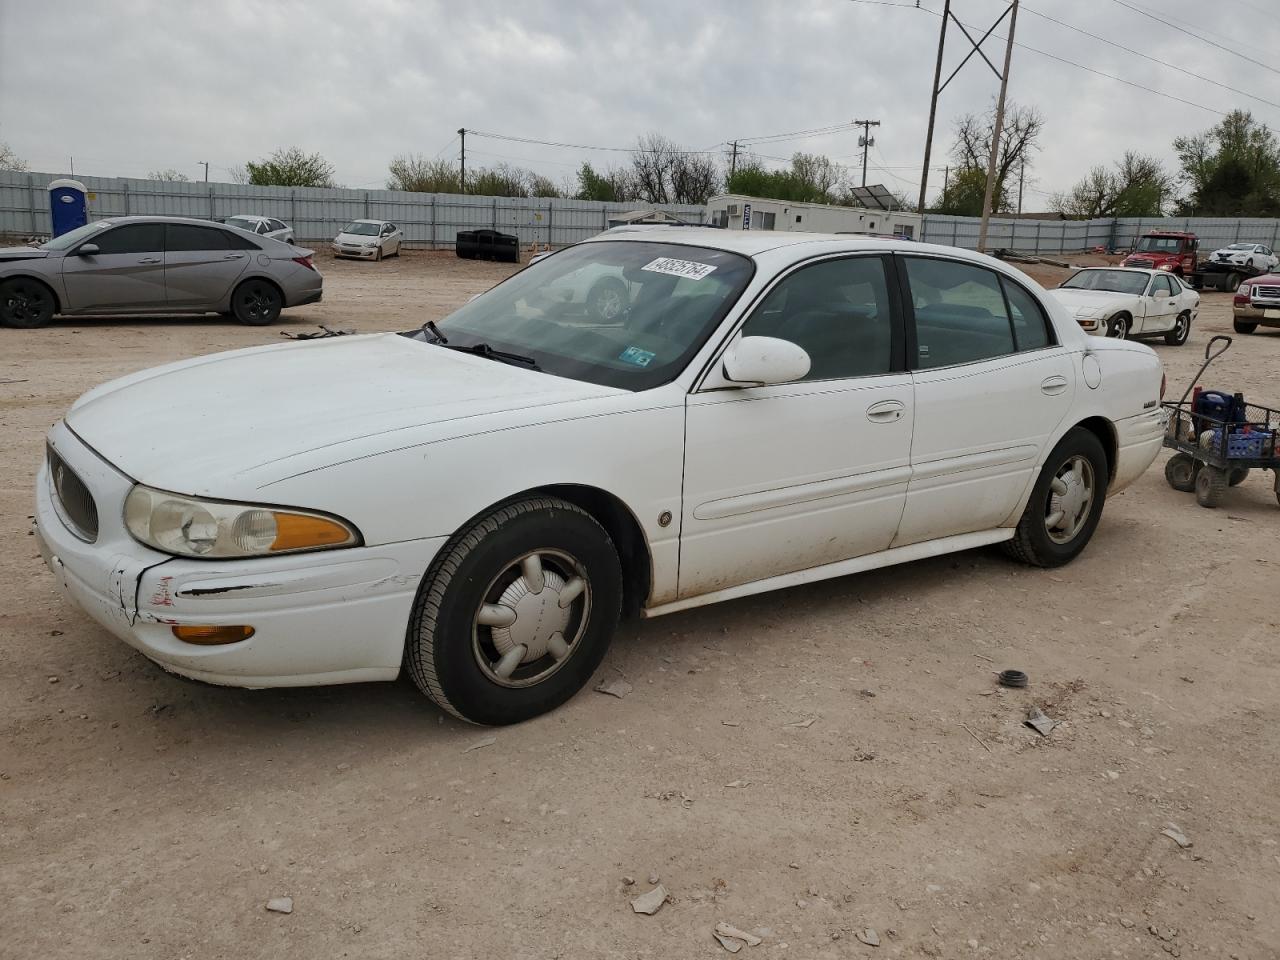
pixel 155 265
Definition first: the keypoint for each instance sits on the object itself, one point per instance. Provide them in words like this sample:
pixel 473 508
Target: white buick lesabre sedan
pixel 479 501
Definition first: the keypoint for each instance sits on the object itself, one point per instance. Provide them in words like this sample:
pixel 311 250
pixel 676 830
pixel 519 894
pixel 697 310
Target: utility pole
pixel 933 104
pixel 205 164
pixel 462 174
pixel 996 132
pixel 1022 179
pixel 73 165
pixel 865 141
pixel 733 160
pixel 946 179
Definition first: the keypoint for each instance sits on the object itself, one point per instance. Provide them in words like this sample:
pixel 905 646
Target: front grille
pixel 79 511
pixel 1142 264
pixel 1266 293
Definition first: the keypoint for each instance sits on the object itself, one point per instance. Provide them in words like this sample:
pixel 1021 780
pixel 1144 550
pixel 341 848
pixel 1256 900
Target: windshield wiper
pixel 479 349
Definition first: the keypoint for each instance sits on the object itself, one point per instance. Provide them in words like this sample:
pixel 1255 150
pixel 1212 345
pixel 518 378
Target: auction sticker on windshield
pixel 689 269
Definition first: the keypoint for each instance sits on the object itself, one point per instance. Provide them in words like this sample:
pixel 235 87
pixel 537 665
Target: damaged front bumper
pixel 329 617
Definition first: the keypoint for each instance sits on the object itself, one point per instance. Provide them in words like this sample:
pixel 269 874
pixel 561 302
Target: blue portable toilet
pixel 68 205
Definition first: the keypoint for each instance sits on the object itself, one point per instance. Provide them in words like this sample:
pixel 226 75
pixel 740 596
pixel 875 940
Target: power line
pixel 1191 33
pixel 580 146
pixel 1157 14
pixel 1138 53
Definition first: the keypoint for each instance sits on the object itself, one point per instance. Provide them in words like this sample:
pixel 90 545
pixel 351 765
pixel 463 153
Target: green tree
pixel 290 167
pixel 1232 169
pixel 1019 139
pixel 418 174
pixel 811 178
pixel 542 186
pixel 611 186
pixel 964 194
pixel 171 175
pixel 503 180
pixel 1137 187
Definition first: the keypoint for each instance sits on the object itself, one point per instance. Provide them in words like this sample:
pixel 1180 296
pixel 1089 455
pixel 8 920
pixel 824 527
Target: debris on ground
pixel 651 902
pixel 802 724
pixel 1174 833
pixel 1040 722
pixel 730 723
pixel 686 801
pixel 732 939
pixel 615 688
pixel 1013 678
pixel 629 881
pixel 483 742
pixel 653 878
pixel 324 333
pixel 737 784
pixel 976 737
pixel 868 936
pixel 280 904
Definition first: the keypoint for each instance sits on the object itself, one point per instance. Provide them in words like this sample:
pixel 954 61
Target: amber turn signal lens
pixel 298 532
pixel 212 636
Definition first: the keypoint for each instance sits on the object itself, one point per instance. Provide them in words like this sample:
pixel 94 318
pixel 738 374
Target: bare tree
pixel 10 160
pixel 665 172
pixel 171 175
pixel 418 174
pixel 1137 187
pixel 1019 139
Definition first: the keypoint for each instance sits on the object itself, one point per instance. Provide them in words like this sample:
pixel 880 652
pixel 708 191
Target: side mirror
pixel 87 250
pixel 760 361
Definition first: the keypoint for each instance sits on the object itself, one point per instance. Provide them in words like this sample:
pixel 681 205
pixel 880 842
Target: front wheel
pixel 1180 471
pixel 1181 330
pixel 1211 486
pixel 1065 504
pixel 1242 326
pixel 25 304
pixel 256 303
pixel 1119 326
pixel 516 613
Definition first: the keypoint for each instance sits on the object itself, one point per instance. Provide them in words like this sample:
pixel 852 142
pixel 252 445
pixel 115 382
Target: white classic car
pixel 1123 302
pixel 1253 256
pixel 480 500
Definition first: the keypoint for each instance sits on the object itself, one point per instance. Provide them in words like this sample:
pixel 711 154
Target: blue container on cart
pixel 68 205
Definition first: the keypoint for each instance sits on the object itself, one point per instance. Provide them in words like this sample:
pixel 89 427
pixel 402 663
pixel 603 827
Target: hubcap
pixel 1070 496
pixel 531 619
pixel 1180 329
pixel 1120 328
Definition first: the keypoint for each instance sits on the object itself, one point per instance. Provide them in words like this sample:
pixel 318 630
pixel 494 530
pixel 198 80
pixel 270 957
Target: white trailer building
pixel 737 212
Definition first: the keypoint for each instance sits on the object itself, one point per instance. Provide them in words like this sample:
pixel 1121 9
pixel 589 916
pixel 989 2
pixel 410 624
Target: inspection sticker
pixel 636 356
pixel 679 268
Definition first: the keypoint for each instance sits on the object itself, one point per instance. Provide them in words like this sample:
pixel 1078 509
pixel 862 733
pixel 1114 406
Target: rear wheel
pixel 1211 486
pixel 1181 330
pixel 1237 476
pixel 1066 503
pixel 1180 471
pixel 256 303
pixel 1232 283
pixel 517 613
pixel 25 304
pixel 1119 326
pixel 1243 326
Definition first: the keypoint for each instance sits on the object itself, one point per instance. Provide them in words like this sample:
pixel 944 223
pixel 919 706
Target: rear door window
pixel 1031 329
pixel 960 313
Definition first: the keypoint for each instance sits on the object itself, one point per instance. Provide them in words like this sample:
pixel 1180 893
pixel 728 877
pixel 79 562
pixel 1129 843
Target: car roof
pixel 1142 270
pixel 248 216
pixel 194 221
pixel 370 221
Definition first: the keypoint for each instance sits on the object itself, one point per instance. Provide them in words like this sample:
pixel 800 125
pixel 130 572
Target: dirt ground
pixel 143 816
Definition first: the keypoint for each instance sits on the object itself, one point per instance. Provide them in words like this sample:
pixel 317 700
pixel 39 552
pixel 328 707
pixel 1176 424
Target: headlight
pixel 1165 266
pixel 1243 290
pixel 1082 312
pixel 210 529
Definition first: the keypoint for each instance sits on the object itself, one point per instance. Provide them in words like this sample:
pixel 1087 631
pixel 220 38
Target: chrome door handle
pixel 149 260
pixel 886 411
pixel 1053 385
pixel 234 256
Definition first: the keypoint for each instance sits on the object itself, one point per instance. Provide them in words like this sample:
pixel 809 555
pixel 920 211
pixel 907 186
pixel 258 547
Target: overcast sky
pixel 132 85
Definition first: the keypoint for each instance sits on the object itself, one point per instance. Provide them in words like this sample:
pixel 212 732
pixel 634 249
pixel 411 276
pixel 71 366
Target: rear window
pixel 184 237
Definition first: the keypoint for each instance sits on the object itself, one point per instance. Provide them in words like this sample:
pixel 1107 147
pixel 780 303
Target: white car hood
pixel 185 426
pixel 355 238
pixel 1078 300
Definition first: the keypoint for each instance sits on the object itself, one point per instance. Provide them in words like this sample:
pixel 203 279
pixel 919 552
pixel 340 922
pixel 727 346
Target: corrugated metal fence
pixel 1075 236
pixel 316 215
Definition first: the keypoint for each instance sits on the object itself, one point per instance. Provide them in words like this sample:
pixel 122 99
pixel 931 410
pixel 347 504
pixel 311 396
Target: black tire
pixel 1211 486
pixel 446 645
pixel 1031 541
pixel 377 257
pixel 257 302
pixel 1181 330
pixel 1120 326
pixel 1237 476
pixel 1243 326
pixel 25 304
pixel 1180 471
pixel 1232 283
pixel 608 300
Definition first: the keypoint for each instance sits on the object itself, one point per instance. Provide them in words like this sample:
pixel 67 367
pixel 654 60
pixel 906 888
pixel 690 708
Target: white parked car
pixel 479 501
pixel 262 226
pixel 368 240
pixel 1253 256
pixel 1122 302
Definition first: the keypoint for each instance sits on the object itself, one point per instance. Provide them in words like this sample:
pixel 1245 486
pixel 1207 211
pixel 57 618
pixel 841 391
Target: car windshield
pixel 1116 281
pixel 362 229
pixel 1159 245
pixel 626 314
pixel 72 237
pixel 244 223
pixel 1240 246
